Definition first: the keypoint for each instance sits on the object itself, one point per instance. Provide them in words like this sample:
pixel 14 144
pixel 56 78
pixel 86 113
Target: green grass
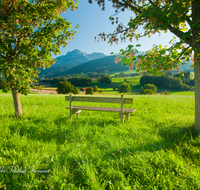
pixel 125 72
pixel 9 92
pixel 133 81
pixel 187 93
pixel 156 149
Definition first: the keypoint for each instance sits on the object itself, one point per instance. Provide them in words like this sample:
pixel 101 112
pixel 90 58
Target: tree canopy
pixel 29 32
pixel 180 17
pixel 124 87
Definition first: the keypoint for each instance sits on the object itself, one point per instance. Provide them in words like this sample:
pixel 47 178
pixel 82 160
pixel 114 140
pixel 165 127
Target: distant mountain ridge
pixel 102 65
pixel 70 60
pixel 76 62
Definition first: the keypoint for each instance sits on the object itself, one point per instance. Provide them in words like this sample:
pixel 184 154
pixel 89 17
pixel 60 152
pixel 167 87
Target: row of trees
pixel 165 81
pixel 187 78
pixel 67 87
pixel 105 79
pixel 76 81
pixel 80 81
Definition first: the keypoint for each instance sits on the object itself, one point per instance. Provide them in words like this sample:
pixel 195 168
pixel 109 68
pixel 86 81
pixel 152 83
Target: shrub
pixel 89 91
pixel 105 79
pixel 65 88
pixel 114 88
pixel 148 89
pixel 96 89
pixel 165 92
pixel 75 90
pixel 124 87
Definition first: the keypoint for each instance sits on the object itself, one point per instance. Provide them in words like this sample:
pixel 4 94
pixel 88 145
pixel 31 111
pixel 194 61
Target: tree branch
pixel 180 34
pixel 184 50
pixel 131 6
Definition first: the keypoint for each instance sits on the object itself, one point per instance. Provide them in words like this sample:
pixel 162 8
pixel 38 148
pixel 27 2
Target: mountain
pixel 76 62
pixel 102 65
pixel 70 60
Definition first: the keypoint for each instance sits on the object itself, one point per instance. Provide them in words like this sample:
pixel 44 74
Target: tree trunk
pixel 196 43
pixel 17 104
pixel 197 93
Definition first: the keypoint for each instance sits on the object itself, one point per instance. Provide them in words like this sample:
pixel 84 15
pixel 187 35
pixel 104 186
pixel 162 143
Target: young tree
pixel 180 17
pixel 96 89
pixel 65 88
pixel 75 90
pixel 89 91
pixel 124 87
pixel 29 32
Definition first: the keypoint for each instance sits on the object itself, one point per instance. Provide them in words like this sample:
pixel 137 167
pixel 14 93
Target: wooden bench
pixel 122 111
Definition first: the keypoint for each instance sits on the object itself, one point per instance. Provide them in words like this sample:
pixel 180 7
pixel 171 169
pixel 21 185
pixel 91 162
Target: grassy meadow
pixel 134 83
pixel 156 149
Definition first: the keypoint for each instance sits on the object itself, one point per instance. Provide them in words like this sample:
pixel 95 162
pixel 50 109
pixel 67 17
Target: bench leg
pixel 127 115
pixel 76 112
pixel 121 117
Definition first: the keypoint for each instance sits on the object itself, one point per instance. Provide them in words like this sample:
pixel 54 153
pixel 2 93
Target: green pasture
pixel 133 81
pixel 156 149
pixel 125 72
pixel 186 93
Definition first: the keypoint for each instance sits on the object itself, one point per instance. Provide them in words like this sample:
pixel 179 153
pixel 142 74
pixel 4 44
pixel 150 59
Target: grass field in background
pixel 125 72
pixel 187 93
pixel 156 149
pixel 135 86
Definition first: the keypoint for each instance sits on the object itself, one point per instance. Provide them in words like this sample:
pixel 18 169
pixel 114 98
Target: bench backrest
pixel 99 99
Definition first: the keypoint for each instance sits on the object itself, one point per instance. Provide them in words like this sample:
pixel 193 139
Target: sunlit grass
pixel 156 149
pixel 187 93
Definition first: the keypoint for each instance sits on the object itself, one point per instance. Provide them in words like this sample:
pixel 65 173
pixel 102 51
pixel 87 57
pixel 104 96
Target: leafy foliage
pixel 30 32
pixel 105 79
pixel 80 81
pixel 124 87
pixel 155 16
pixel 75 90
pixel 65 88
pixel 89 91
pixel 148 89
pixel 96 89
pixel 180 17
pixel 165 92
pixel 165 81
pixel 2 83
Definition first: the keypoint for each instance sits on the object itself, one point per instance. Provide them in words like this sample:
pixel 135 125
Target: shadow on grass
pixel 170 139
pixel 58 130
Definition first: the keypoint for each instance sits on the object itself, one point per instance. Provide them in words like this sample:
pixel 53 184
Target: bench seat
pixel 126 110
pixel 121 100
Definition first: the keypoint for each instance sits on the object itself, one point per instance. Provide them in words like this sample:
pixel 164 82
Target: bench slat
pixel 126 110
pixel 99 99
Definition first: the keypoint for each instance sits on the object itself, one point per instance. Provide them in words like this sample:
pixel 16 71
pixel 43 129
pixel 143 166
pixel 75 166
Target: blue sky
pixel 93 20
